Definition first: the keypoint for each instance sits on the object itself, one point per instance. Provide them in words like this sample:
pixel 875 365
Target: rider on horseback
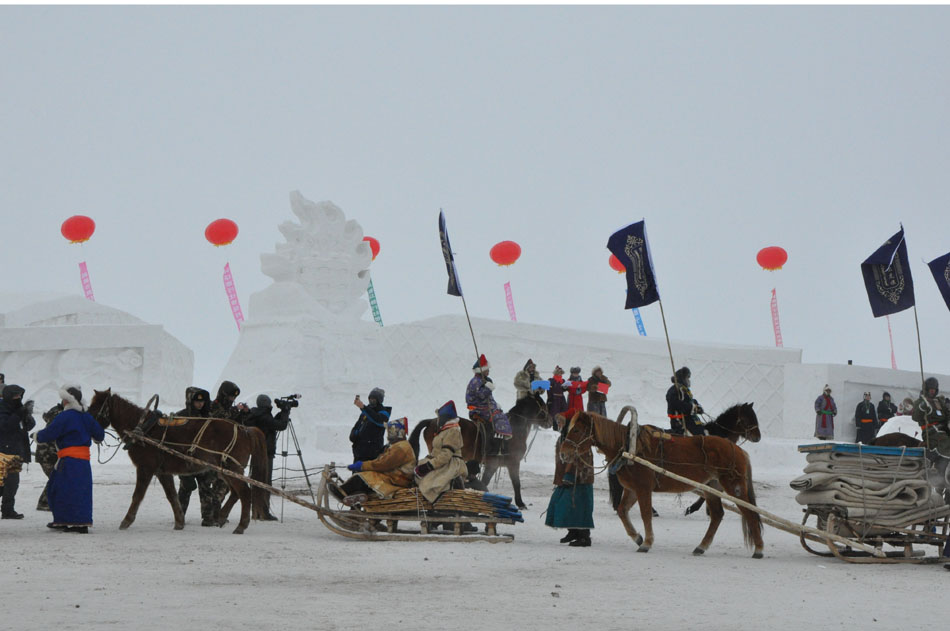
pixel 682 409
pixel 481 402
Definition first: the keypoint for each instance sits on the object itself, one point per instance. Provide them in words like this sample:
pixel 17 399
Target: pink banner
pixel 891 336
pixel 775 324
pixel 86 283
pixel 511 302
pixel 232 296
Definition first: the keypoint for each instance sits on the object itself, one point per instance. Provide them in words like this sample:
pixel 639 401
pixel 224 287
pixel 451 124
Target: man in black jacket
pixel 262 417
pixel 197 405
pixel 367 434
pixel 16 420
pixel 681 408
pixel 865 418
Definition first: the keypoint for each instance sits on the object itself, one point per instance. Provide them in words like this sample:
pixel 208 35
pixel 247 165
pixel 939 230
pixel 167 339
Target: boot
pixel 582 541
pixel 570 536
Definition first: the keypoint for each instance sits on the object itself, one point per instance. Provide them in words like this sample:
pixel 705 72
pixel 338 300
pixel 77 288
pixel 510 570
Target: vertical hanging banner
pixel 640 328
pixel 891 336
pixel 511 303
pixel 86 283
pixel 775 322
pixel 232 296
pixel 374 304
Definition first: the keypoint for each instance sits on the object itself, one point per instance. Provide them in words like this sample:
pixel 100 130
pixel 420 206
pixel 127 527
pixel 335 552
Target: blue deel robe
pixel 70 485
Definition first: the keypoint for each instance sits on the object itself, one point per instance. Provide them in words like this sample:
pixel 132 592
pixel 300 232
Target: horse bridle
pixel 577 444
pixel 104 409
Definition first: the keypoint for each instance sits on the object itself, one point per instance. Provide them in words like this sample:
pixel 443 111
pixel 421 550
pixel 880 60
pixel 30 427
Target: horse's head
pixel 748 423
pixel 577 437
pixel 99 407
pixel 533 410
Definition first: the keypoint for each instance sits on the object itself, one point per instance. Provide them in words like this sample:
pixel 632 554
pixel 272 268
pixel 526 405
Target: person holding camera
pixel 16 419
pixel 367 434
pixel 262 417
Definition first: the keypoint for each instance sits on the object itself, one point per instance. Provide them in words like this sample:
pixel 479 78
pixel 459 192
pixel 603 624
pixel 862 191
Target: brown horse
pixel 528 411
pixel 218 442
pixel 699 458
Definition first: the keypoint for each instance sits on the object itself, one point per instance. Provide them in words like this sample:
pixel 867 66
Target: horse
pixel 215 441
pixel 531 410
pixel 699 458
pixel 737 422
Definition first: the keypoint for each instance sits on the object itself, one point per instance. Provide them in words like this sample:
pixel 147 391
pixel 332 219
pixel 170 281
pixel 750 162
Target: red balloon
pixel 505 253
pixel 373 245
pixel 772 257
pixel 221 232
pixel 616 265
pixel 78 228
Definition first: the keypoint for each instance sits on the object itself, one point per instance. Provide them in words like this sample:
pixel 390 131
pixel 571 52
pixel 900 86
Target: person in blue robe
pixel 70 485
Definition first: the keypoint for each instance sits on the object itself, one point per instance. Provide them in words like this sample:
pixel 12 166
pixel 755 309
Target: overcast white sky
pixel 729 129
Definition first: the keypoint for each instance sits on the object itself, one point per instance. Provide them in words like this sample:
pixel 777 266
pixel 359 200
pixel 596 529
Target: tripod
pixel 302 471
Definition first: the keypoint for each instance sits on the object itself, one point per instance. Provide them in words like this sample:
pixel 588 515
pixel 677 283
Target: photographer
pixel 367 433
pixel 262 417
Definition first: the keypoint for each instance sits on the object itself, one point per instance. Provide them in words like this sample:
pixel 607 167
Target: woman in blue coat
pixel 70 485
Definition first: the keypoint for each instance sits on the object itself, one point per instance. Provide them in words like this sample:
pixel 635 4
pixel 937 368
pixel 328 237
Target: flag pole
pixel 920 354
pixel 470 329
pixel 667 334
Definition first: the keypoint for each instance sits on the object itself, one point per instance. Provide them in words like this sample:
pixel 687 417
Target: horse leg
pixel 488 472
pixel 714 507
pixel 142 477
pixel 168 484
pixel 514 472
pixel 627 500
pixel 751 521
pixel 243 491
pixel 645 495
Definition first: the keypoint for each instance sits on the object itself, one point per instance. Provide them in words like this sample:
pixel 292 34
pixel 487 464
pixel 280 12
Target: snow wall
pixel 47 340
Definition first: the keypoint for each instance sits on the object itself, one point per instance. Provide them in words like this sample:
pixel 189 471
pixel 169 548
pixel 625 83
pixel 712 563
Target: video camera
pixel 288 402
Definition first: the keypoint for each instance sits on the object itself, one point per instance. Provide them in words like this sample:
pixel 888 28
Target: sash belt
pixel 80 452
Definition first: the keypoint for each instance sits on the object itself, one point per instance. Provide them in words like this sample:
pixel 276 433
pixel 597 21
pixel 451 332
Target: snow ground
pixel 297 574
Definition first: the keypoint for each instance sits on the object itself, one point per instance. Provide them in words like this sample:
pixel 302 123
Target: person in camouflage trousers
pixel 216 487
pixel 197 405
pixel 46 456
pixel 931 413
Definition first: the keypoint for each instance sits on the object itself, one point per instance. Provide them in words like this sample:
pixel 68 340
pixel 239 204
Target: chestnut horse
pixel 531 410
pixel 699 458
pixel 216 441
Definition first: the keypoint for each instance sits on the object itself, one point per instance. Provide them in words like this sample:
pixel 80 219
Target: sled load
pixel 455 515
pixel 874 496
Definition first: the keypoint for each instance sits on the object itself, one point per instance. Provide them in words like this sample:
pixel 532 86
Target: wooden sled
pixel 389 519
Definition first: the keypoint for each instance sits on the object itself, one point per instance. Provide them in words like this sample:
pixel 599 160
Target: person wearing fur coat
pixel 444 464
pixel 70 486
pixel 387 473
pixel 523 380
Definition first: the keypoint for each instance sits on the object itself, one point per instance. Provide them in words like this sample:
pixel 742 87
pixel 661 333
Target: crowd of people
pixel 868 418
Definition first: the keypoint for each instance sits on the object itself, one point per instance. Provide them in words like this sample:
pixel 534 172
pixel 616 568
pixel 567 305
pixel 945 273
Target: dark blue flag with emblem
pixel 887 277
pixel 455 289
pixel 630 246
pixel 940 268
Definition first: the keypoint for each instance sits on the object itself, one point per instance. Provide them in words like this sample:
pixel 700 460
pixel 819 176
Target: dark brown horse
pixel 699 458
pixel 218 442
pixel 528 411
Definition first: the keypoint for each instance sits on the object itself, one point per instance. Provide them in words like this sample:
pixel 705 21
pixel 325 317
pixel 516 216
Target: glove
pixel 356 466
pixel 424 469
pixel 489 385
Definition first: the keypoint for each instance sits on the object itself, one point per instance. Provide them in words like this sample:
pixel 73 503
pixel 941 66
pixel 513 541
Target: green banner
pixel 374 304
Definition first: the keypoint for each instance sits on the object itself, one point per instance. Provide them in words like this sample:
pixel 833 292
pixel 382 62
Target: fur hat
pixel 447 412
pixel 227 389
pixel 558 370
pixel 377 393
pixel 531 363
pixel 931 382
pixel 827 389
pixel 72 395
pixel 575 370
pixel 481 365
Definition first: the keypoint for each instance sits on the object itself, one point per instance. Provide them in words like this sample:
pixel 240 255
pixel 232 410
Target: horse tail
pixel 751 521
pixel 416 432
pixel 260 462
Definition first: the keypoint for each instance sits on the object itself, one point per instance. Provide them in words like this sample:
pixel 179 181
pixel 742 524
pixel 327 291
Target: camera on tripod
pixel 288 402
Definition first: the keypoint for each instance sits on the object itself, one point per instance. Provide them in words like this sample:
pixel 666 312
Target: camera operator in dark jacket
pixel 367 434
pixel 262 417
pixel 16 420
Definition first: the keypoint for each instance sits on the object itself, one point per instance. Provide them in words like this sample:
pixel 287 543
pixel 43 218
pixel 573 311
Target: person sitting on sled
pixel 384 475
pixel 444 465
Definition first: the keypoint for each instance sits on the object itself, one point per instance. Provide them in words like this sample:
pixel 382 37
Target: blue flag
pixel 887 277
pixel 630 246
pixel 455 289
pixel 940 268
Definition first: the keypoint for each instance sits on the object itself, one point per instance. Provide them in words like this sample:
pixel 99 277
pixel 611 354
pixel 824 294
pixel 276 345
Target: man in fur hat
pixel 681 408
pixel 444 464
pixel 197 405
pixel 382 476
pixel 576 386
pixel 16 419
pixel 523 380
pixel 70 487
pixel 931 413
pixel 597 400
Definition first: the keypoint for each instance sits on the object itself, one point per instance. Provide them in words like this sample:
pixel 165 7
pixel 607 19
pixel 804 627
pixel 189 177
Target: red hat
pixel 481 365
